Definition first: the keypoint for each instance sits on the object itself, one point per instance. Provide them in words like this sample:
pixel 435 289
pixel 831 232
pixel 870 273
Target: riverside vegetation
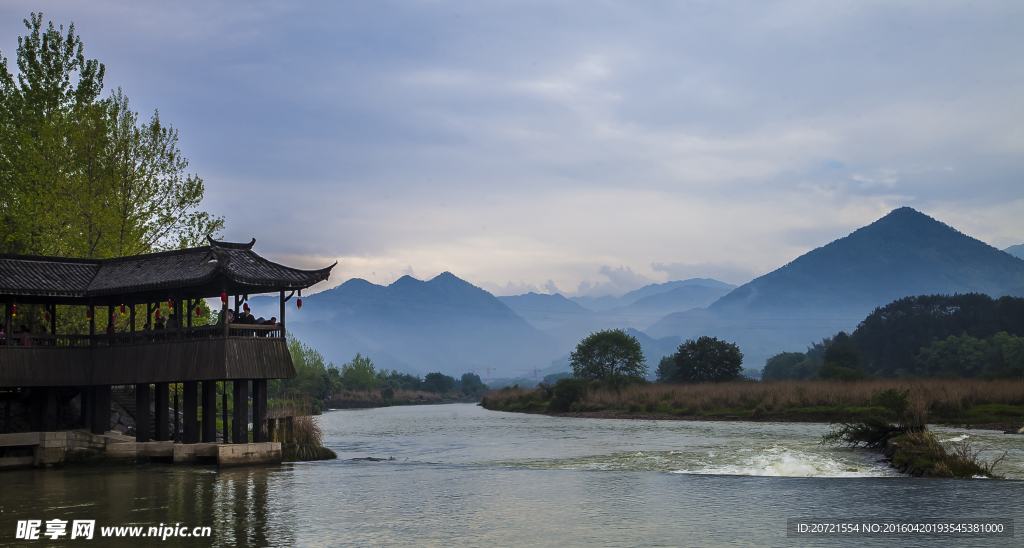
pixel 358 383
pixel 968 402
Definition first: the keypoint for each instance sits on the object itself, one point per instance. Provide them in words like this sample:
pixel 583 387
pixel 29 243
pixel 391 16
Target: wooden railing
pixel 142 337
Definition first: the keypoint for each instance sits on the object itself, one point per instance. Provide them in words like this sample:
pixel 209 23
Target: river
pixel 465 476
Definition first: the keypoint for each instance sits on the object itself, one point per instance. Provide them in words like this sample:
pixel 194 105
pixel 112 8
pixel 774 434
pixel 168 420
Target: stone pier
pixel 52 449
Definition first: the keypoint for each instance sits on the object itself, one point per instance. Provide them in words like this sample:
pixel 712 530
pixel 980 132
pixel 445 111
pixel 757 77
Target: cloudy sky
pixel 584 147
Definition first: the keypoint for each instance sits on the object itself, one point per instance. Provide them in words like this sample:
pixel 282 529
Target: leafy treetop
pixel 612 356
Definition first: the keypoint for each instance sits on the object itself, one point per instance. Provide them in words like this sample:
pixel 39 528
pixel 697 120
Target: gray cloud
pixel 538 141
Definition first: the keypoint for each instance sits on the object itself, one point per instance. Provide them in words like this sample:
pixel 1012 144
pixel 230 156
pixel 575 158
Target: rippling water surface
pixel 464 476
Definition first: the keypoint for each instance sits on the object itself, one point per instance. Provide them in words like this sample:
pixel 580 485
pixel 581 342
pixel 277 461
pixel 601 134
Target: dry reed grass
pixel 307 435
pixel 944 396
pixel 374 397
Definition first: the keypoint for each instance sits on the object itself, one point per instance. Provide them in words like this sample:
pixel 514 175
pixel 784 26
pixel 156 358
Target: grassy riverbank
pixel 350 399
pixel 996 404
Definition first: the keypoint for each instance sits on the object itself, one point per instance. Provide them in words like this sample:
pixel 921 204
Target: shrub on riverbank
pixel 958 401
pixel 920 454
pixel 308 441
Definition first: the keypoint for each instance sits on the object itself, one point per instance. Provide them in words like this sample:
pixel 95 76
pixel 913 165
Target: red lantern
pixel 113 319
pixel 88 313
pixel 170 304
pixel 223 299
pixel 158 314
pixel 47 316
pixel 14 310
pixel 245 306
pixel 122 310
pixel 298 303
pixel 199 311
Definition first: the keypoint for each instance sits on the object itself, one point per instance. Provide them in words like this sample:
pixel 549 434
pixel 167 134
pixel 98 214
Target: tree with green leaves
pixel 439 383
pixel 780 366
pixel 80 176
pixel 471 384
pixel 706 359
pixel 314 374
pixel 612 356
pixel 359 374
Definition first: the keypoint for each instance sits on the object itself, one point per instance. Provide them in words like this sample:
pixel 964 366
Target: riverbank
pixel 972 403
pixel 366 400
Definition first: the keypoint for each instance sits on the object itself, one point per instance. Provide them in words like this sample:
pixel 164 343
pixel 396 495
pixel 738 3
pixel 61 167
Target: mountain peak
pixel 904 253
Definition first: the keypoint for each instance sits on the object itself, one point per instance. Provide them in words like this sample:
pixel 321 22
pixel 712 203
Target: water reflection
pixel 464 476
pixel 243 506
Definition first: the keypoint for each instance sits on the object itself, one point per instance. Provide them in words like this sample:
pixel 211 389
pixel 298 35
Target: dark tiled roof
pixel 50 276
pixel 38 276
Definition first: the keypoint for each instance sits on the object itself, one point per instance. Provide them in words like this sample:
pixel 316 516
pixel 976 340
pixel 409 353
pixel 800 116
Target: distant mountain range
pixel 1016 250
pixel 568 321
pixel 837 285
pixel 448 325
pixel 607 302
pixel 445 324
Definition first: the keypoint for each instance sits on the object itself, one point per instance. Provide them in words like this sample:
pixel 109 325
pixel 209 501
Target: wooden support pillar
pixel 209 412
pixel 86 406
pixel 44 409
pixel 92 325
pixel 131 326
pixel 191 411
pixel 8 302
pixel 101 410
pixel 177 315
pixel 224 407
pixel 259 410
pixel 162 404
pixel 143 414
pixel 176 432
pixel 188 312
pixel 283 301
pixel 224 323
pixel 240 430
pixel 53 323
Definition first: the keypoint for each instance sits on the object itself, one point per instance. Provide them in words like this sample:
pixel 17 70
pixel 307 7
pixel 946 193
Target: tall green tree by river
pixel 612 357
pixel 80 175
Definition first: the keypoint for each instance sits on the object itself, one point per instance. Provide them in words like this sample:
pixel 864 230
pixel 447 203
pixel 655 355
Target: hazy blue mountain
pixel 546 311
pixel 647 310
pixel 445 324
pixel 837 285
pixel 567 321
pixel 608 302
pixel 1016 250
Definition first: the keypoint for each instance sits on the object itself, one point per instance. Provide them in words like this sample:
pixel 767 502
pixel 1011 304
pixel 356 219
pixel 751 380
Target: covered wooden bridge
pixel 39 366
